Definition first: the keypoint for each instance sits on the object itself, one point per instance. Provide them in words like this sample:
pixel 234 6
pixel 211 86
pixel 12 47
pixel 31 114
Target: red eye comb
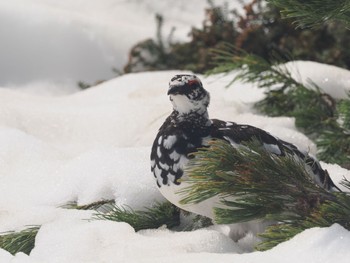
pixel 192 81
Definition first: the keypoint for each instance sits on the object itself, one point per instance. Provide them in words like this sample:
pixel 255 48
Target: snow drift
pixel 59 144
pixel 95 144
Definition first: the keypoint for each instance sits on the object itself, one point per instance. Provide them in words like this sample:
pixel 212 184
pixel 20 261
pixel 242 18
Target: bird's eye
pixel 192 82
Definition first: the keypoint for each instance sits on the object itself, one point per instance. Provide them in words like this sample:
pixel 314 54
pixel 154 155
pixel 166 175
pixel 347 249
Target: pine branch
pixel 310 107
pixel 252 183
pixel 284 95
pixel 277 234
pixel 317 114
pixel 92 206
pixel 327 214
pixel 252 68
pixel 154 217
pixel 334 141
pixel 334 147
pixel 255 185
pixel 315 12
pixel 344 114
pixel 22 241
pixel 150 218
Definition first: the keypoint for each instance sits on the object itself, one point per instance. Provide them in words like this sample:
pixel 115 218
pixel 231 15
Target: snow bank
pixel 316 245
pixel 104 240
pixel 94 145
pixel 331 79
pixel 74 240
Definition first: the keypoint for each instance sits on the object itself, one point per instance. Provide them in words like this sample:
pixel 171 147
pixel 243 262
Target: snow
pixel 104 238
pixel 95 145
pixel 60 144
pixel 330 79
pixel 60 36
pixel 74 240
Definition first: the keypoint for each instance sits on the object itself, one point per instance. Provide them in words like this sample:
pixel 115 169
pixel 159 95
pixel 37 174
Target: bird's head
pixel 187 94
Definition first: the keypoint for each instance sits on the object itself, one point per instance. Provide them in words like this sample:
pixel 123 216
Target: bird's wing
pixel 235 134
pixel 169 152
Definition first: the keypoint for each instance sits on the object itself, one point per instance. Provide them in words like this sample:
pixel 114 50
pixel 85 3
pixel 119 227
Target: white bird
pixel 188 128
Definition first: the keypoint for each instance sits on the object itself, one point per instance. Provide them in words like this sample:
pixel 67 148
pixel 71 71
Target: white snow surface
pixel 95 145
pixel 59 144
pixel 68 41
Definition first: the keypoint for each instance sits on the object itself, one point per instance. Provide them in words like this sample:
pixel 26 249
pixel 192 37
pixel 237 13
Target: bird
pixel 189 128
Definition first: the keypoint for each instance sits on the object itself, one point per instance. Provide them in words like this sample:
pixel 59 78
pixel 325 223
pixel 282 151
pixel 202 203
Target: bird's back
pixel 176 140
pixel 237 134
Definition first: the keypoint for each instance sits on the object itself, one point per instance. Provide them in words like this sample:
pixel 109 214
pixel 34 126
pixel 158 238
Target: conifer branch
pixel 327 214
pixel 92 206
pixel 22 241
pixel 315 12
pixel 253 184
pixel 316 113
pixel 344 114
pixel 334 147
pixel 150 218
pixel 252 68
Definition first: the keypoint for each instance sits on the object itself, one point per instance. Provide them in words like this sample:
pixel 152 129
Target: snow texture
pixel 60 36
pixel 59 145
pixel 95 145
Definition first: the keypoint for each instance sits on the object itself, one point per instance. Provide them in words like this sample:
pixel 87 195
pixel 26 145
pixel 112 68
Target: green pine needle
pixel 277 234
pixel 252 68
pixel 260 184
pixel 255 185
pixel 22 241
pixel 150 218
pixel 92 206
pixel 315 12
pixel 317 114
pixel 327 214
pixel 344 114
pixel 334 147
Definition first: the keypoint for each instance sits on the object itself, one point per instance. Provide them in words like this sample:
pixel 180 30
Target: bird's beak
pixel 173 90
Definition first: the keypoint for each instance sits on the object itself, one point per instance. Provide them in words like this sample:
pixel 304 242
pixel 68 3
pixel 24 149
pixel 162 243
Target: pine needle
pixel 150 218
pixel 316 113
pixel 304 14
pixel 92 206
pixel 22 241
pixel 255 185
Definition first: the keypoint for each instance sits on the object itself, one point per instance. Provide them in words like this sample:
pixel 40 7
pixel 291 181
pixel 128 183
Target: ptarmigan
pixel 188 128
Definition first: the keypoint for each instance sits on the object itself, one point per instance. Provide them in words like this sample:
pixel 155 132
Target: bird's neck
pixel 198 119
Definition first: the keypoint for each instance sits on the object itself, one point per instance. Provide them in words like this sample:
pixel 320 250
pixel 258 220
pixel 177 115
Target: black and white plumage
pixel 188 128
